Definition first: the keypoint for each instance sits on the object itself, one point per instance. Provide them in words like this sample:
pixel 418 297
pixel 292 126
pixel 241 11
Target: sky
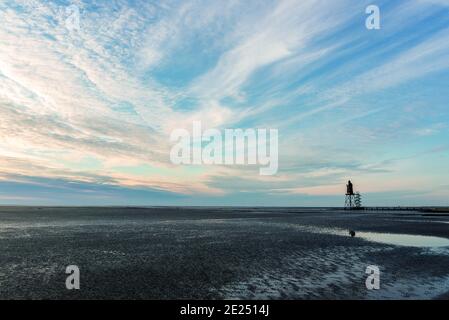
pixel 86 113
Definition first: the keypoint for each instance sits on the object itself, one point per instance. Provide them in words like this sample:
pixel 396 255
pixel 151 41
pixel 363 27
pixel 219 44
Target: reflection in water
pixel 405 239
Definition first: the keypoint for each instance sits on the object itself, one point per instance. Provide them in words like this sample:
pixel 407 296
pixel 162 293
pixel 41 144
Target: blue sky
pixel 86 115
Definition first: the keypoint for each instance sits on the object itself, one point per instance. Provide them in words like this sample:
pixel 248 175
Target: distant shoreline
pixel 426 209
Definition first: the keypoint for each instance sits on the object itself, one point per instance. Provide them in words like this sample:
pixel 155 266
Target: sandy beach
pixel 222 253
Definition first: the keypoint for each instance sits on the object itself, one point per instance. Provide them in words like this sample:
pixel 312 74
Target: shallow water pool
pixel 405 239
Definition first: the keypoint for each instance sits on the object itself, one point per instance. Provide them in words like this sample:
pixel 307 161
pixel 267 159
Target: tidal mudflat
pixel 221 253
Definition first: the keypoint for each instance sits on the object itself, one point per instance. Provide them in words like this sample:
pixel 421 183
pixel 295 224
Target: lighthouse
pixel 352 200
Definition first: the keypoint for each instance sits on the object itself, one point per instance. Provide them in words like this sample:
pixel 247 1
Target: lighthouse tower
pixel 349 201
pixel 352 200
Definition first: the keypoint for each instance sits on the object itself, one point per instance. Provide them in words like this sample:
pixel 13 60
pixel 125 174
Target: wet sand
pixel 221 253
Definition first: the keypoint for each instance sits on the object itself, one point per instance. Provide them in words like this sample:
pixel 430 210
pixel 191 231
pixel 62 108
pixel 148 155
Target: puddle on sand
pixel 405 239
pixel 385 238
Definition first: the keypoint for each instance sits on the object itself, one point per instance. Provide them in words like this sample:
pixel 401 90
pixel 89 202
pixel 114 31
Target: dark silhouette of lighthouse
pixel 352 200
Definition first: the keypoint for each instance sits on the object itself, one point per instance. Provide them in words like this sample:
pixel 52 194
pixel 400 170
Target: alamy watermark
pixel 73 280
pixel 373 280
pixel 372 22
pixel 72 21
pixel 230 147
